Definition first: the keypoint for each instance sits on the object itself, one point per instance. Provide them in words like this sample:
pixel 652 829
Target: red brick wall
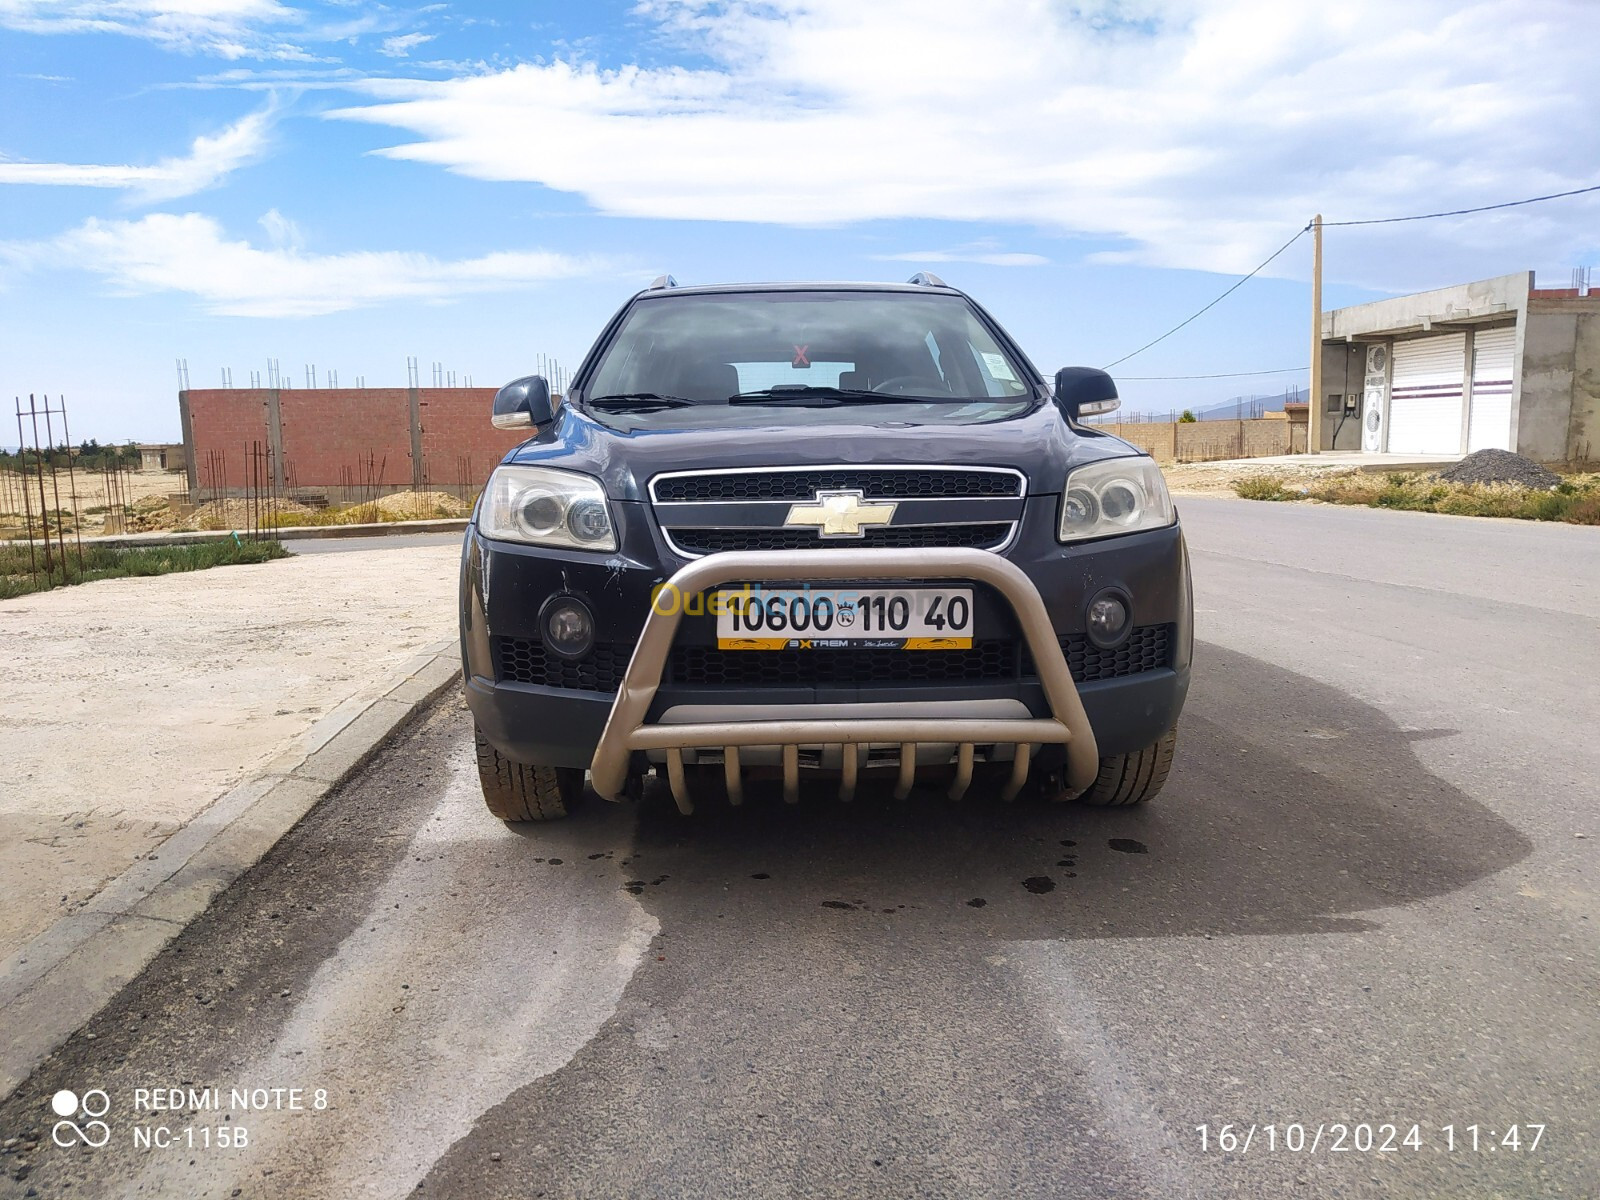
pixel 459 445
pixel 350 436
pixel 331 436
pixel 223 425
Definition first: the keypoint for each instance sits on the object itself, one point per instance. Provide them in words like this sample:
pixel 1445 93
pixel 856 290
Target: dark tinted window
pixel 708 348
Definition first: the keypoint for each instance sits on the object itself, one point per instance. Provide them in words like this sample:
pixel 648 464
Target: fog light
pixel 568 627
pixel 1107 619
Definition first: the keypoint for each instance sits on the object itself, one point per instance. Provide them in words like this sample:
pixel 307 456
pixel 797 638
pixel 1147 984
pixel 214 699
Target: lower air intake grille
pixel 525 660
pixel 1148 648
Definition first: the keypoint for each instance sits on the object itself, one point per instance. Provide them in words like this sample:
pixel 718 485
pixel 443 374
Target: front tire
pixel 1136 778
pixel 516 791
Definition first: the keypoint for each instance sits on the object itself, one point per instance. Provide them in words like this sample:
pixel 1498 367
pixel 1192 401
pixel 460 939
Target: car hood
pixel 1038 442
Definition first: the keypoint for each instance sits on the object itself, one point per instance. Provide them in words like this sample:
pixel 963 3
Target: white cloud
pixel 402 45
pixel 211 159
pixel 190 254
pixel 1201 132
pixel 229 28
pixel 986 251
pixel 283 233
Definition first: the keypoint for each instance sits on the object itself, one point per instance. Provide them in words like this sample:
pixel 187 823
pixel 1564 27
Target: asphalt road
pixel 1366 899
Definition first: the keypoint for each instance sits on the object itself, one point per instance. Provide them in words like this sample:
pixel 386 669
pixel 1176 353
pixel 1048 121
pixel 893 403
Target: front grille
pixel 708 541
pixel 876 484
pixel 987 661
pixel 1148 648
pixel 525 660
pixel 1001 660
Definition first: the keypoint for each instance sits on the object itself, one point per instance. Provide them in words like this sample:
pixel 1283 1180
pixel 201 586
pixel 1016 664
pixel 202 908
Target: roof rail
pixel 663 281
pixel 927 279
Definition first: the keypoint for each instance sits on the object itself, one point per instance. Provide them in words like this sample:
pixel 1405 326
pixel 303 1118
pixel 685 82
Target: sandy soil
pixel 1216 479
pixel 130 705
pixel 91 488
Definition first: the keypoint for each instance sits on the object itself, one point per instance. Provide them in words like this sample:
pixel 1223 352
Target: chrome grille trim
pixel 676 515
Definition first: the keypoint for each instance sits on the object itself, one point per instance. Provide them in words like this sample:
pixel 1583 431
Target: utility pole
pixel 1314 411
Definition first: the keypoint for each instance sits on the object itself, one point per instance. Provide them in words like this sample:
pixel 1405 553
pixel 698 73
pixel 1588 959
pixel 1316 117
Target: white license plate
pixel 767 618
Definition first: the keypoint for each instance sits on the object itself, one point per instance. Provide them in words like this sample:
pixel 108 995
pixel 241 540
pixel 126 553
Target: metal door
pixel 1427 394
pixel 1489 426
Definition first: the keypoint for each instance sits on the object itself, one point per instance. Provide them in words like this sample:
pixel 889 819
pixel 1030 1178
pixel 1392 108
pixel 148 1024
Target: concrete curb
pixel 51 987
pixel 293 533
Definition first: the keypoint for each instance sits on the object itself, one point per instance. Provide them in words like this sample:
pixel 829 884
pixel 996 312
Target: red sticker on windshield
pixel 800 359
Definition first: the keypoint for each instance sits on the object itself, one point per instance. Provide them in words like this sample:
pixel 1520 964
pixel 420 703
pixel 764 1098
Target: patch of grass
pixel 1575 501
pixel 1264 487
pixel 107 562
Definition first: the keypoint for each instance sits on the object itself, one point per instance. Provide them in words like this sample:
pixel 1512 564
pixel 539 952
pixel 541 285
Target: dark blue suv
pixel 838 531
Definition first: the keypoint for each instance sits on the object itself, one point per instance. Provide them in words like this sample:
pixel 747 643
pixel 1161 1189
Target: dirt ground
pixel 91 488
pixel 1216 478
pixel 130 705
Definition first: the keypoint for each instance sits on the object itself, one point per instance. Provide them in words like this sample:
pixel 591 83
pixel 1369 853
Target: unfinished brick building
pixel 347 443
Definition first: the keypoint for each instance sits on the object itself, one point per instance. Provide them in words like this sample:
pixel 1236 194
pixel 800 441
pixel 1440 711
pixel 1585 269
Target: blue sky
pixel 347 184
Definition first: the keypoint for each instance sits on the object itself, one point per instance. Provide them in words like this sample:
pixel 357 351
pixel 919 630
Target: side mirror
pixel 523 404
pixel 1085 392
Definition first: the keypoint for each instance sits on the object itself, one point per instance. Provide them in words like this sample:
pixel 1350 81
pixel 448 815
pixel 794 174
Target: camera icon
pixel 72 1108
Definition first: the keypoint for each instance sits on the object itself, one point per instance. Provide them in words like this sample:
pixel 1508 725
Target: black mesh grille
pixel 524 660
pixel 1148 648
pixel 989 661
pixel 985 662
pixel 709 541
pixel 875 484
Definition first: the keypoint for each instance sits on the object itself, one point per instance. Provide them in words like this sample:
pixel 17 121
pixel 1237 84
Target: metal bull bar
pixel 626 731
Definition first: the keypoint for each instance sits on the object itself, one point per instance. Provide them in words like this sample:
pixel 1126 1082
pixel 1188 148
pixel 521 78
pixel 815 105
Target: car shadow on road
pixel 1292 806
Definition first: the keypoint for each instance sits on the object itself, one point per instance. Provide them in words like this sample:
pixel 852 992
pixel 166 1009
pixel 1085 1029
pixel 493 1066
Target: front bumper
pixel 628 728
pixel 560 719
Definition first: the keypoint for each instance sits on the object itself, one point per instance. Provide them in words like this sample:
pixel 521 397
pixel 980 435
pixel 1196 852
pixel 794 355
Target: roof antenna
pixel 927 279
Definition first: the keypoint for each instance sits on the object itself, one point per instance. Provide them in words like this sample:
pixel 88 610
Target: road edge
pixel 58 981
pixel 289 533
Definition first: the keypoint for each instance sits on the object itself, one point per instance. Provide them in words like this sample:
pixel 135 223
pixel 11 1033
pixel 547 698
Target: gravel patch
pixel 1500 466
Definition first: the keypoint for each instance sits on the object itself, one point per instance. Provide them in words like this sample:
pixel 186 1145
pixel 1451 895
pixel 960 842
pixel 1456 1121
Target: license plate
pixel 763 618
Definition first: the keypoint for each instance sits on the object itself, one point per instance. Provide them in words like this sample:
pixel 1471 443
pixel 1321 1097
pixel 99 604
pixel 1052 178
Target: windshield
pixel 809 349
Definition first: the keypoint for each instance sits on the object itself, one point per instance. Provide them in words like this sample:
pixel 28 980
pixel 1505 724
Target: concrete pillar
pixel 190 468
pixel 275 438
pixel 415 396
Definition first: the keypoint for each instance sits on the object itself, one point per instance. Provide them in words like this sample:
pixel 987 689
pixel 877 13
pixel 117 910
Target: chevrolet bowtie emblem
pixel 840 514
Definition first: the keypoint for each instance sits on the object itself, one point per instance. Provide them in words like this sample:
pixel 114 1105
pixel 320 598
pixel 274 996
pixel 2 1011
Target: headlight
pixel 546 507
pixel 1118 496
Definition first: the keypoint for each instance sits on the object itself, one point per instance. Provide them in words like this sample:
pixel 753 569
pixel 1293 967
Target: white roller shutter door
pixel 1490 423
pixel 1426 395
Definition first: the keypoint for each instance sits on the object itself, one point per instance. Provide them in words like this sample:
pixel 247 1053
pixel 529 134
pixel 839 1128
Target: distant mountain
pixel 1247 406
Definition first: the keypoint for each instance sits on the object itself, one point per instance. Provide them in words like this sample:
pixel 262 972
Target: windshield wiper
pixel 639 400
pixel 806 395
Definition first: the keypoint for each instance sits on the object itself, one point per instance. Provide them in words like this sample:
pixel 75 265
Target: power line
pixel 1457 212
pixel 1223 375
pixel 1461 212
pixel 1239 284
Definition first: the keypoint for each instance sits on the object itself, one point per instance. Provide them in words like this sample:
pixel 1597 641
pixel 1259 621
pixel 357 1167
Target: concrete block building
pixel 1493 364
